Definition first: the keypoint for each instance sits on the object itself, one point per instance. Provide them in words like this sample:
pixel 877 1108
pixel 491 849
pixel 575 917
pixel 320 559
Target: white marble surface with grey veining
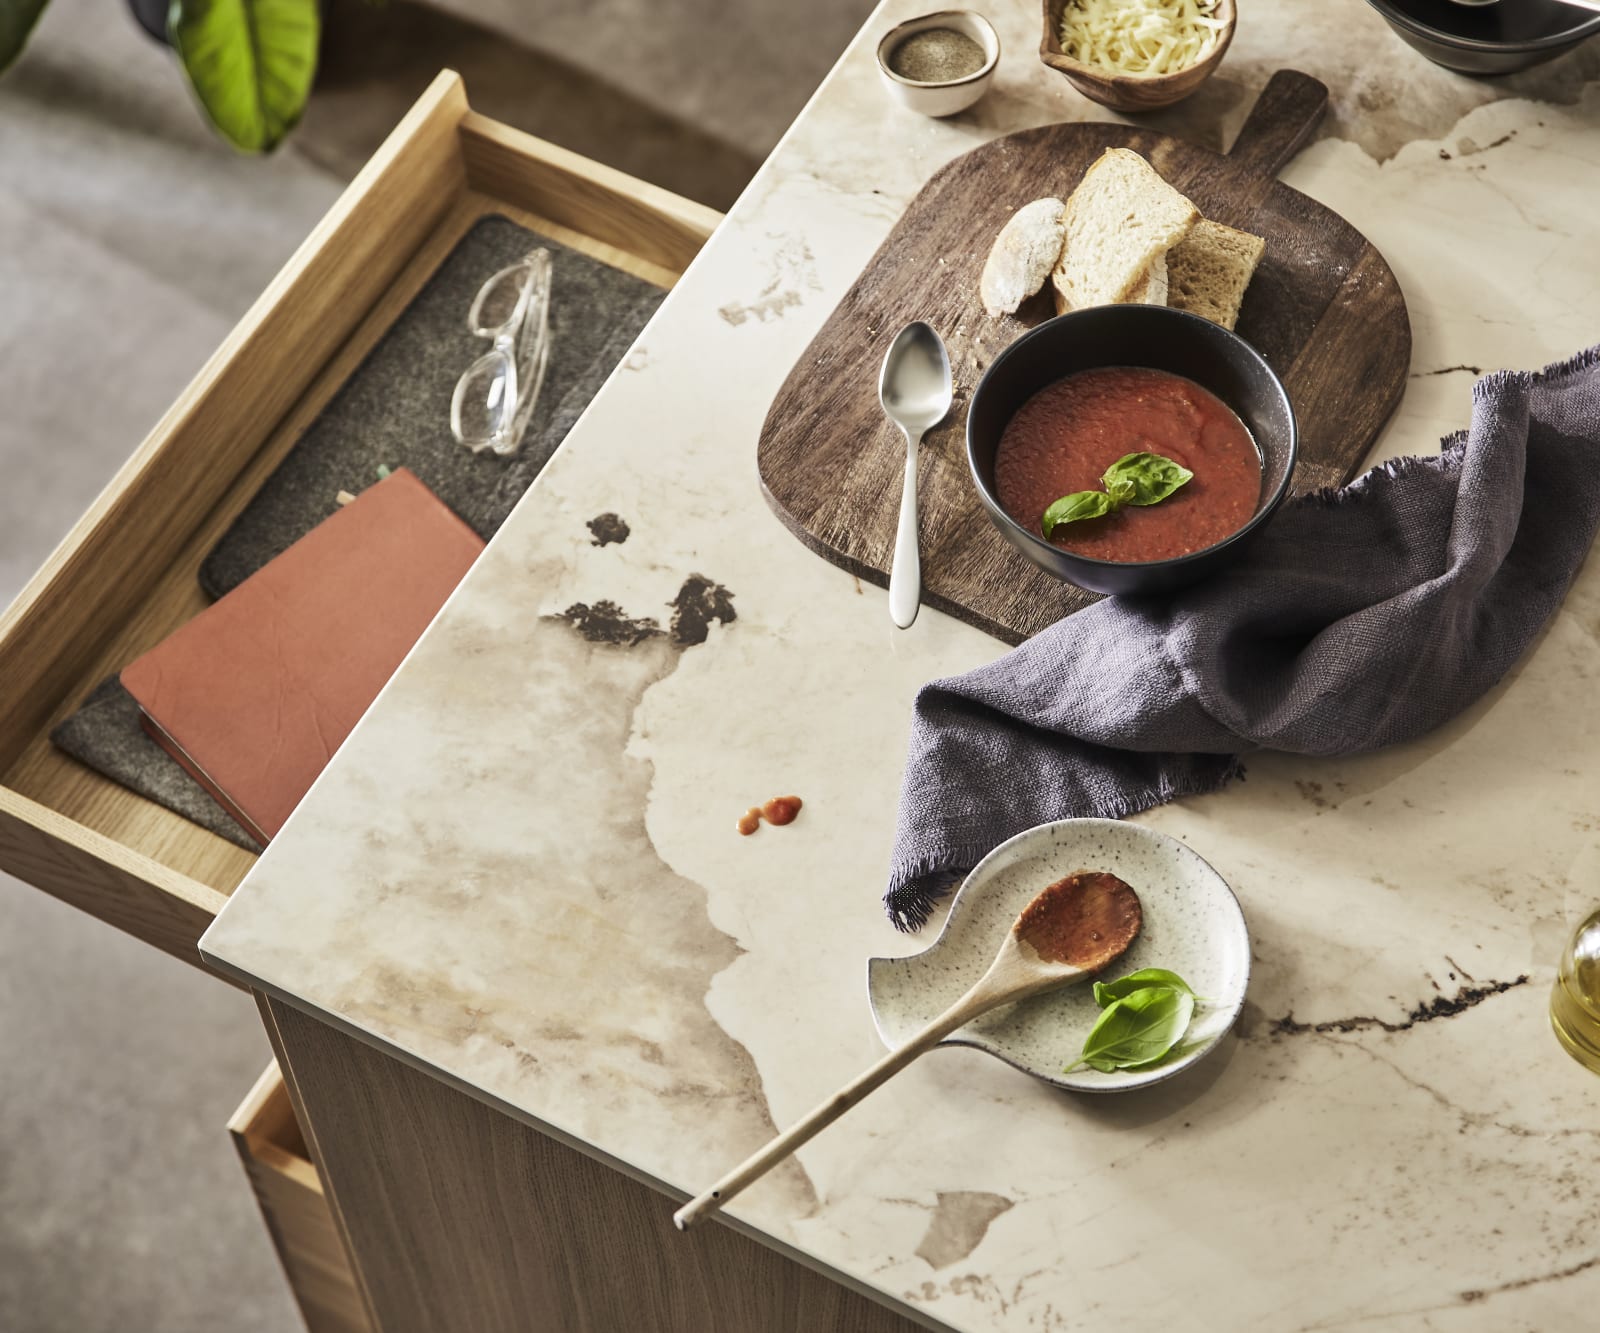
pixel 521 870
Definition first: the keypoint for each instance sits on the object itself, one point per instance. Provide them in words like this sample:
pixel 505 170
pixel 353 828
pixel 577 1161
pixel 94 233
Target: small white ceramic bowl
pixel 1192 926
pixel 941 99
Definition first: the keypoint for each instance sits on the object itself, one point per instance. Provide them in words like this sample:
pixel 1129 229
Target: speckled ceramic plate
pixel 1192 926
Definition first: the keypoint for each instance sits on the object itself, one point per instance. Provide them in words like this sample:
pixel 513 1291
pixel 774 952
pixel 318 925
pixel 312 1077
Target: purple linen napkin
pixel 1361 616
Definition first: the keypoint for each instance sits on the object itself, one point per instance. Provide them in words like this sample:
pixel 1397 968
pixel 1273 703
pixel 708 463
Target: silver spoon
pixel 915 391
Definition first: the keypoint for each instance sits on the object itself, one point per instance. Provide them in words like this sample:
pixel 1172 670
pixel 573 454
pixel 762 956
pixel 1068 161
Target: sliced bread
pixel 1209 269
pixel 1022 256
pixel 1151 289
pixel 1120 220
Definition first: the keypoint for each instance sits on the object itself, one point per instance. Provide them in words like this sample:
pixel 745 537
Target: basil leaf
pixel 1121 490
pixel 1181 1049
pixel 1105 992
pixel 1072 508
pixel 1143 479
pixel 1137 1030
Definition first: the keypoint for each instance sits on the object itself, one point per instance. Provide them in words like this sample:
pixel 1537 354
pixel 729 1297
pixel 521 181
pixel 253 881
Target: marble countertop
pixel 521 871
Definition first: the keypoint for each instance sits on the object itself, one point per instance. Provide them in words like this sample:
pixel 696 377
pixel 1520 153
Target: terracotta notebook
pixel 255 694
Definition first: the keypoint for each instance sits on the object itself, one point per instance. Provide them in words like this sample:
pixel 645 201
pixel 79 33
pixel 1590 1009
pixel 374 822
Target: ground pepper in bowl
pixel 937 55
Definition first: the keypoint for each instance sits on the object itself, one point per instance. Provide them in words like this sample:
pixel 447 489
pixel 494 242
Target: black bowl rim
pixel 1268 507
pixel 1577 33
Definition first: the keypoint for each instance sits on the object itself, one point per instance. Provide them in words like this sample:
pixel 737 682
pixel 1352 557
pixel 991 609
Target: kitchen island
pixel 514 918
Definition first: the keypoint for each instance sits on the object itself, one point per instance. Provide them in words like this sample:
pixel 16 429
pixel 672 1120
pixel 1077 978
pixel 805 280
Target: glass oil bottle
pixel 1575 999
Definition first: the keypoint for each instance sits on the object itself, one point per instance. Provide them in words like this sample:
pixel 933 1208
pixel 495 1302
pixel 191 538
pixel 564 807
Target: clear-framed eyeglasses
pixel 495 396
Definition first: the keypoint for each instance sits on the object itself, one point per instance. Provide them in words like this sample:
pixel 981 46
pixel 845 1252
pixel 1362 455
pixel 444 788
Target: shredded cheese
pixel 1140 37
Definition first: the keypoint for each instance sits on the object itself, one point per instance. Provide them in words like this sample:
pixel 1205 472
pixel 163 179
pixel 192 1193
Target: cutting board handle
pixel 1283 119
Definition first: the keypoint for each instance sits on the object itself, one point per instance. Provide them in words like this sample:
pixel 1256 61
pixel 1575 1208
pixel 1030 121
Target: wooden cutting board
pixel 1324 309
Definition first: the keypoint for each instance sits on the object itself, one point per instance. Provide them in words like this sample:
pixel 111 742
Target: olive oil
pixel 1575 999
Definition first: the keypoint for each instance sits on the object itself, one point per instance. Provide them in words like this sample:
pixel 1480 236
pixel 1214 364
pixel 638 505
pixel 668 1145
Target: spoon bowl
pixel 915 390
pixel 914 385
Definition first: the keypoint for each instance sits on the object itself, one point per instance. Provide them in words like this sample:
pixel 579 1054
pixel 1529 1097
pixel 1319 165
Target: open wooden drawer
pixel 125 576
pixel 295 1208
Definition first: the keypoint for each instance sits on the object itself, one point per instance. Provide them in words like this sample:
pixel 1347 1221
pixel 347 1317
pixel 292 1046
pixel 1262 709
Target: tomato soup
pixel 1063 438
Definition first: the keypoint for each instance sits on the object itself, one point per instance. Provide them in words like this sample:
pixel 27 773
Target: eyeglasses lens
pixel 480 411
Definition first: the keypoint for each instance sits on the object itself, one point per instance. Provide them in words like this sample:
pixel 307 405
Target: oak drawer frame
pixel 124 577
pixel 295 1207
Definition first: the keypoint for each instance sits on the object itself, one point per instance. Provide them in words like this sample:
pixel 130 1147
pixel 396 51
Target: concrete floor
pixel 130 241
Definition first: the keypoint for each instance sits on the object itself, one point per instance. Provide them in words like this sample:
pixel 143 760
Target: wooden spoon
pixel 1070 931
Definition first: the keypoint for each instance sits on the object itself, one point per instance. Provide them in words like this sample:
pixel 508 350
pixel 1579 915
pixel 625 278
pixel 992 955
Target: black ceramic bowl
pixel 1133 335
pixel 1488 39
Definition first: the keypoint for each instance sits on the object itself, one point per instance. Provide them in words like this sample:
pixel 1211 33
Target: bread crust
pixel 1022 256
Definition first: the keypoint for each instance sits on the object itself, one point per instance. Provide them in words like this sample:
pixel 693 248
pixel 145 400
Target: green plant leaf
pixel 17 18
pixel 250 63
pixel 1105 992
pixel 1143 479
pixel 1138 1030
pixel 1072 508
pixel 1122 491
pixel 1178 1051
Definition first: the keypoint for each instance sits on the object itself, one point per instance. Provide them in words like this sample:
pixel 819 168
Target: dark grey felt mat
pixel 105 734
pixel 394 410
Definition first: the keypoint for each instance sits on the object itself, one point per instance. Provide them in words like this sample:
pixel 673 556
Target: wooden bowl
pixel 1131 92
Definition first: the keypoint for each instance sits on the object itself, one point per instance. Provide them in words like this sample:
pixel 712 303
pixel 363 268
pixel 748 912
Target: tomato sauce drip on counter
pixel 780 810
pixel 1063 438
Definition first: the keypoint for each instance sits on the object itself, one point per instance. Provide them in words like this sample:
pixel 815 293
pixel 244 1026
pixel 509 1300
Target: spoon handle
pixel 905 574
pixel 980 999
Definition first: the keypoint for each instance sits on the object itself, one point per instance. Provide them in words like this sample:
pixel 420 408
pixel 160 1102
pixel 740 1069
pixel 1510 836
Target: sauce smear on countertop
pixel 1063 438
pixel 780 810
